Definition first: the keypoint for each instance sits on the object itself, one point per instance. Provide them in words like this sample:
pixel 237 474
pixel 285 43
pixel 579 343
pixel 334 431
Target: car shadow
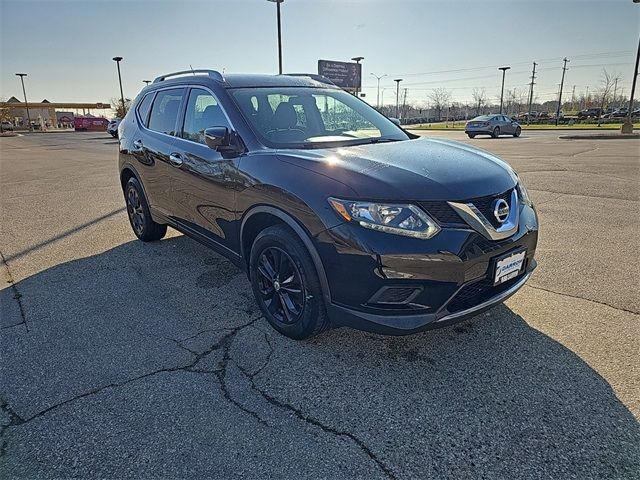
pixel 488 397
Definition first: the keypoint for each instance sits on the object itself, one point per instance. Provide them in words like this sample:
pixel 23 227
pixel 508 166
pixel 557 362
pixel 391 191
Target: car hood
pixel 421 169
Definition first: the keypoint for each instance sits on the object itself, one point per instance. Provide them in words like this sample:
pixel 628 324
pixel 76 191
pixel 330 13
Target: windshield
pixel 306 117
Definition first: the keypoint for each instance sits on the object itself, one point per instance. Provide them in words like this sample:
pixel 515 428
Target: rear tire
pixel 496 132
pixel 139 215
pixel 517 132
pixel 471 135
pixel 286 285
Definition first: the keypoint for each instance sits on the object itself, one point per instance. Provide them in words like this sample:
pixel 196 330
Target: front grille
pixel 485 205
pixel 478 292
pixel 442 212
pixel 394 295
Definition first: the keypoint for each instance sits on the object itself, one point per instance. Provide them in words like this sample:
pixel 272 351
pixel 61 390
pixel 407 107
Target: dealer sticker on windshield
pixel 509 267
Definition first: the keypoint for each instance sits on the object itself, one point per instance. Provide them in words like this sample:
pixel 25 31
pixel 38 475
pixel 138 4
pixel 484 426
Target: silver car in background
pixel 112 128
pixel 494 125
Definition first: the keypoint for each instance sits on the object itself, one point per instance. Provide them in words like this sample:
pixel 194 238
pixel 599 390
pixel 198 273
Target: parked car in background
pixel 7 126
pixel 338 215
pixel 590 113
pixel 494 125
pixel 90 123
pixel 112 128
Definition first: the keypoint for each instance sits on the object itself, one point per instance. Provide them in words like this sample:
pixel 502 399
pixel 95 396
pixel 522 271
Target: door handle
pixel 175 159
pixel 137 144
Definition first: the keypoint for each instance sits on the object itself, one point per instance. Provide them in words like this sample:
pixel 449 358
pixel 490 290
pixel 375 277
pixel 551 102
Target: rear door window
pixel 165 110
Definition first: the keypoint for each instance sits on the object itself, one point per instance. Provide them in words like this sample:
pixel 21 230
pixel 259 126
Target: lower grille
pixel 478 292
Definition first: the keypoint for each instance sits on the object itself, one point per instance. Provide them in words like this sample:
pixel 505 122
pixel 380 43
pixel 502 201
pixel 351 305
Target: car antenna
pixel 194 73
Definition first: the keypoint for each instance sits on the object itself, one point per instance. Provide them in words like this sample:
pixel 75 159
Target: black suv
pixel 338 215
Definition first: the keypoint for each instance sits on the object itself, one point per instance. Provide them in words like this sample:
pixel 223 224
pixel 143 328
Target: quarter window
pixel 165 109
pixel 143 108
pixel 203 111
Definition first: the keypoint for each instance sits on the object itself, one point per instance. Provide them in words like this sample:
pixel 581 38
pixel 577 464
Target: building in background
pixel 45 114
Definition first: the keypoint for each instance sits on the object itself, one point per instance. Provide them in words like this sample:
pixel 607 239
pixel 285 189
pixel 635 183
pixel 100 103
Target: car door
pixel 508 125
pixel 153 144
pixel 203 180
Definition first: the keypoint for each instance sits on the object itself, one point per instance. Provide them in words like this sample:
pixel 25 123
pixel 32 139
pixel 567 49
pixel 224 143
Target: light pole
pixel 26 104
pixel 504 70
pixel 378 78
pixel 146 82
pixel 627 126
pixel 118 60
pixel 398 80
pixel 358 60
pixel 278 2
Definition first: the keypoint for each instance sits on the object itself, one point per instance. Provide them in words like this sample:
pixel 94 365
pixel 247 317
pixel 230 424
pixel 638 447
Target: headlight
pixel 524 194
pixel 400 219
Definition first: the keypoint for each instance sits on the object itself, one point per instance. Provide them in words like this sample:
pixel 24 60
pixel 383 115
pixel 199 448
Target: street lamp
pixel 278 2
pixel 398 80
pixel 378 78
pixel 358 60
pixel 26 104
pixel 627 126
pixel 118 60
pixel 147 82
pixel 504 70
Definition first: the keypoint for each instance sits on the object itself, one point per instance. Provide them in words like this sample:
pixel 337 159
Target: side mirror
pixel 217 137
pixel 395 120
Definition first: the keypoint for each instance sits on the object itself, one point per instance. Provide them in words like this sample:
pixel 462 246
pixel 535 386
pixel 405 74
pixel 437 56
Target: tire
pixel 277 253
pixel 517 132
pixel 471 135
pixel 496 132
pixel 139 216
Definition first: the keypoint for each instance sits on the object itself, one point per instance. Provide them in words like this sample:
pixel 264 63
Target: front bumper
pixel 450 276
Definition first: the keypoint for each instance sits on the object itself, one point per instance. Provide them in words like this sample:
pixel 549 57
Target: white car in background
pixel 112 128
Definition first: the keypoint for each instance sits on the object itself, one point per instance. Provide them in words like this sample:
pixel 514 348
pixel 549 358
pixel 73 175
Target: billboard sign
pixel 346 75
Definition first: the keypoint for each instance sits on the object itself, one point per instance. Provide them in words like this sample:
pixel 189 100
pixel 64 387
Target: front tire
pixel 471 135
pixel 496 132
pixel 517 132
pixel 286 285
pixel 139 216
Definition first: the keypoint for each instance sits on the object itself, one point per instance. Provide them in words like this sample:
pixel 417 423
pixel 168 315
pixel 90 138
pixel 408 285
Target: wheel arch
pixel 262 216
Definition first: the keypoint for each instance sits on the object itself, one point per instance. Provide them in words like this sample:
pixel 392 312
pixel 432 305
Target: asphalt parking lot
pixel 121 359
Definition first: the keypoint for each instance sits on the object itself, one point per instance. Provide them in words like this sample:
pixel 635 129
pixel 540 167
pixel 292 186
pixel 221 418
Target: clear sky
pixel 66 46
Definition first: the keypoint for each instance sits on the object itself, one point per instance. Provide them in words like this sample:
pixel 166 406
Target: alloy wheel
pixel 134 209
pixel 280 285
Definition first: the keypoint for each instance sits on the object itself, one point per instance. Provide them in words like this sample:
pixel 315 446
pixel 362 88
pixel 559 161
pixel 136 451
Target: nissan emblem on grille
pixel 501 210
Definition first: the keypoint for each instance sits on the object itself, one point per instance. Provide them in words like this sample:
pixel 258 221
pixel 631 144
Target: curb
pixel 602 136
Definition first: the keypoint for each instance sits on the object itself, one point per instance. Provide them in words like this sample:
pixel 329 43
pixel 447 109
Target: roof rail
pixel 313 76
pixel 214 74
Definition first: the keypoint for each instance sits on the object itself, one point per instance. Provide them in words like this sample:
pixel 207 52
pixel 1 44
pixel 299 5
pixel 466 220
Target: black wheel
pixel 286 285
pixel 139 216
pixel 517 132
pixel 496 132
pixel 471 135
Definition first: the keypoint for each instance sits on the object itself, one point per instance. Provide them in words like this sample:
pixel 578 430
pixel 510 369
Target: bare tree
pixel 117 106
pixel 479 99
pixel 440 98
pixel 607 81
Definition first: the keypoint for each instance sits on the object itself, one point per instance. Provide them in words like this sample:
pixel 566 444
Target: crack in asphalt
pixel 298 412
pixel 17 296
pixel 222 343
pixel 622 309
pixel 14 420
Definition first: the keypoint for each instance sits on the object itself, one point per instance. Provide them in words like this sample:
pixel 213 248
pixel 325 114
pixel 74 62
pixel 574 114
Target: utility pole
pixel 627 126
pixel 398 80
pixel 533 78
pixel 564 69
pixel 586 98
pixel 615 90
pixel 573 98
pixel 404 104
pixel 26 104
pixel 504 70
